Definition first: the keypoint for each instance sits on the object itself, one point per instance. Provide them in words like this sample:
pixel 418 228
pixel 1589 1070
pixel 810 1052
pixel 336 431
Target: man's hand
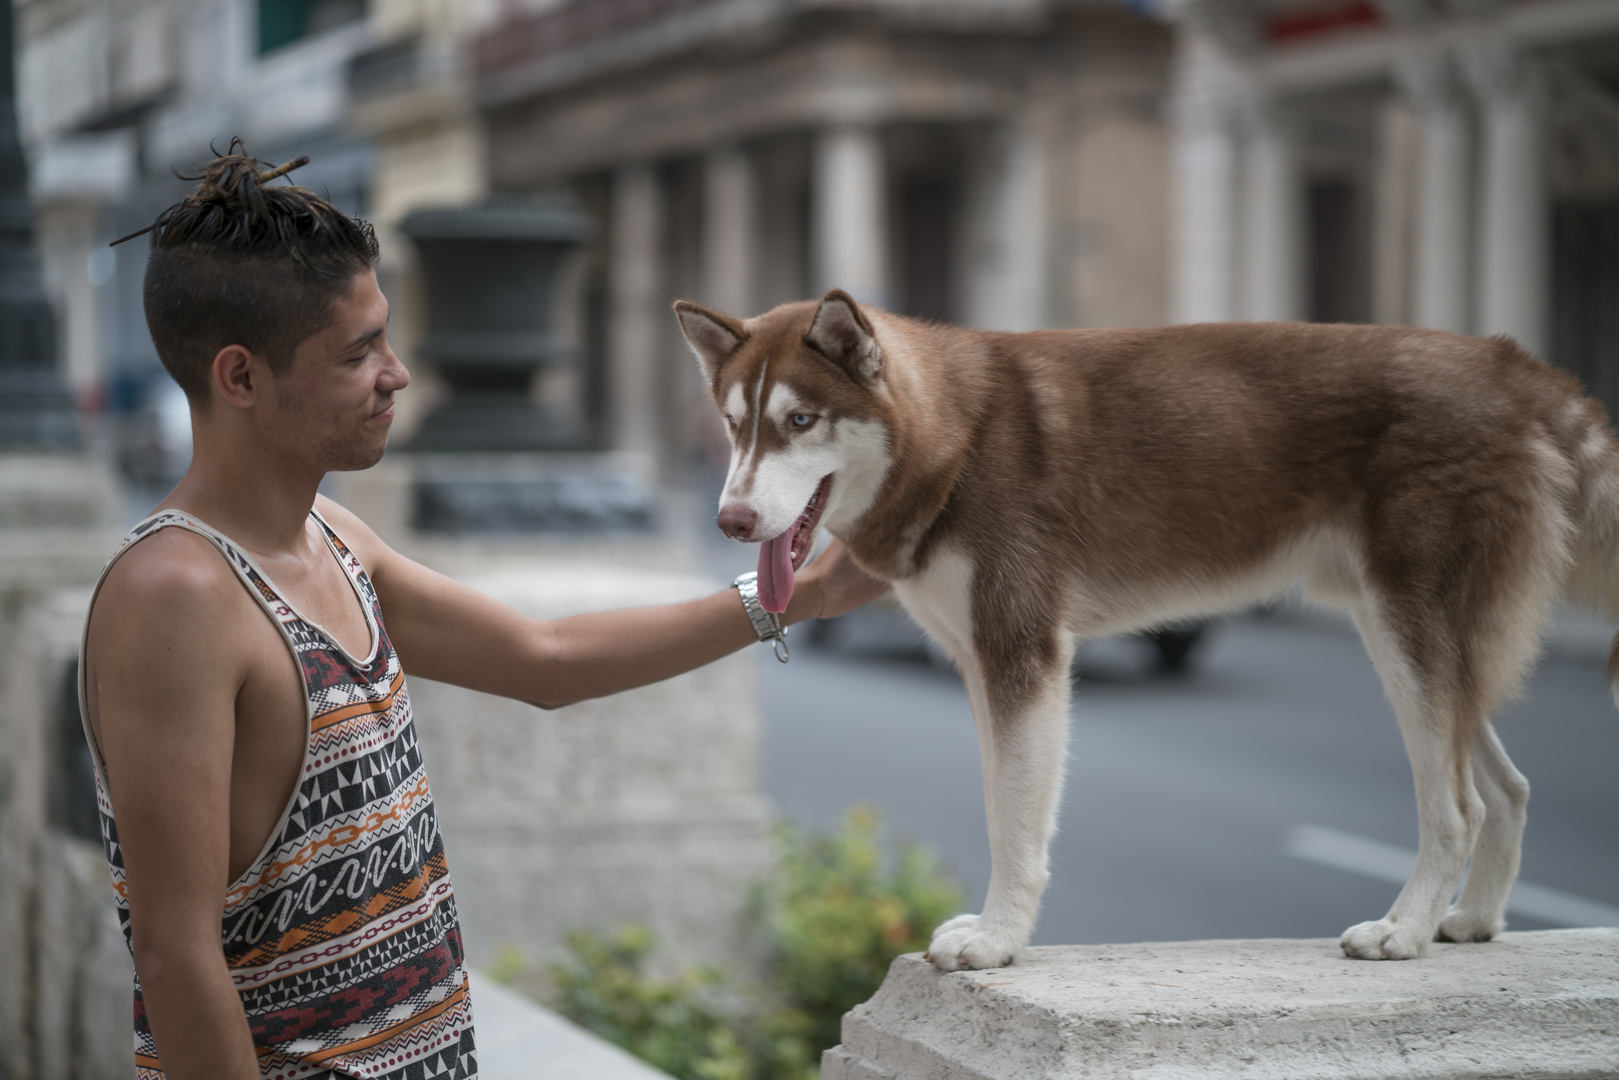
pixel 838 582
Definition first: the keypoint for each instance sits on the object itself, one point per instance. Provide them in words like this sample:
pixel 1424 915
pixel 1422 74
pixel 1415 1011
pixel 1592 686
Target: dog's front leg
pixel 1022 735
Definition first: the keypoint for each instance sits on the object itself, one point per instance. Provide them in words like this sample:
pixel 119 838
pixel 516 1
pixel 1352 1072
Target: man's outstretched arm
pixel 164 689
pixel 444 630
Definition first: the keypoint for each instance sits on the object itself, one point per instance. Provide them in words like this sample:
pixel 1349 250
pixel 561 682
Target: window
pixel 282 22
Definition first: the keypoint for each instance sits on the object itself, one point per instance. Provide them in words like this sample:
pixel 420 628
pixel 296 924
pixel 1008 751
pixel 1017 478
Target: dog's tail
pixel 1594 578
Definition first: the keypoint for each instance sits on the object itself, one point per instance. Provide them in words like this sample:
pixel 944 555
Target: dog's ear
pixel 841 333
pixel 712 336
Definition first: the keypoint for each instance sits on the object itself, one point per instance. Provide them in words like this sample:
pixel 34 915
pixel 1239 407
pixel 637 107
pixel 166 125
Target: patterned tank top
pixel 342 936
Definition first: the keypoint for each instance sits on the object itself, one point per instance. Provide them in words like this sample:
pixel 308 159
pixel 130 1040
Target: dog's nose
pixel 737 520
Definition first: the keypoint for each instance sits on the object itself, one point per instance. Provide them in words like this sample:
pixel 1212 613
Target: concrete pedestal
pixel 1541 1004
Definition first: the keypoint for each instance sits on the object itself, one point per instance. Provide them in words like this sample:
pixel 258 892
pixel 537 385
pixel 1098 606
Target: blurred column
pixel 1512 214
pixel 729 232
pixel 1205 132
pixel 1394 204
pixel 636 310
pixel 36 410
pixel 1006 288
pixel 1273 245
pixel 847 220
pixel 1443 169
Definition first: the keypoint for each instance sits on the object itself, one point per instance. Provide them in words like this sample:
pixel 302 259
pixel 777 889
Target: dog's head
pixel 802 392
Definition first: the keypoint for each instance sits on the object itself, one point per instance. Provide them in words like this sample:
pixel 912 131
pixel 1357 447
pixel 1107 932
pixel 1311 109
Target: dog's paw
pixel 1460 924
pixel 960 945
pixel 1383 940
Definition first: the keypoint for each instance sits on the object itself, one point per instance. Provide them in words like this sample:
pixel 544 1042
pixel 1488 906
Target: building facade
pixel 1445 164
pixel 994 163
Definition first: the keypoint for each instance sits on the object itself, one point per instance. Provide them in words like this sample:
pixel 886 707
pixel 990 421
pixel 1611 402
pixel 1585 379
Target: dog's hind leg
pixel 1464 562
pixel 1438 731
pixel 1480 912
pixel 1446 660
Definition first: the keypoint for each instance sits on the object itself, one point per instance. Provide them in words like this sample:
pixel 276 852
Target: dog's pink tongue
pixel 776 572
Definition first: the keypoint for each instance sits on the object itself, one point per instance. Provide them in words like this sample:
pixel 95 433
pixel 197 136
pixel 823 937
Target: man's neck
pixel 259 502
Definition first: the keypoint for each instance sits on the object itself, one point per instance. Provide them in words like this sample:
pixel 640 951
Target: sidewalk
pixel 519 1040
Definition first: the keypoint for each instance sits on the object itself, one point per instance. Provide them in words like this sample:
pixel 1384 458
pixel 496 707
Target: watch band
pixel 766 624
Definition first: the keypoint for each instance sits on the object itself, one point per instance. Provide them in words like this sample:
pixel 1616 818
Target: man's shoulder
pixel 171 572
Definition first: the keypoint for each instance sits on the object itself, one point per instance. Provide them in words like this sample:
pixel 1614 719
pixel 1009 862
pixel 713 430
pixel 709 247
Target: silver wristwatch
pixel 765 624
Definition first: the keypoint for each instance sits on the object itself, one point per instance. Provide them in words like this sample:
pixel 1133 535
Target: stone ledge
pixel 1542 1004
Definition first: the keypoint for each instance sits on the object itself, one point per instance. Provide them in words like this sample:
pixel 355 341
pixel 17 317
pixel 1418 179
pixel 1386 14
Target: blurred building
pixel 116 94
pixel 410 99
pixel 1443 163
pixel 996 163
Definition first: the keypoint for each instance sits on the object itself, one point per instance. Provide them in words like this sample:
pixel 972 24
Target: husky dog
pixel 1026 491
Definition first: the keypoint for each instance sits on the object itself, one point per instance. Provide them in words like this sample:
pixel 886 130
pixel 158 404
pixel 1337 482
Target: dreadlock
pixel 239 262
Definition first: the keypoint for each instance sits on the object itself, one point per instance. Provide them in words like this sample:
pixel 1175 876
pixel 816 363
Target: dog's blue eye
pixel 802 420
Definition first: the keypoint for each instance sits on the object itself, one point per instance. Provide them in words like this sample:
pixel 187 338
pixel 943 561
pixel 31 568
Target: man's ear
pixel 712 336
pixel 841 333
pixel 234 375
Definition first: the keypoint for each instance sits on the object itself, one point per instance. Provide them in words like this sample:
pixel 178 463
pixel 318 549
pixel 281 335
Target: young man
pixel 272 839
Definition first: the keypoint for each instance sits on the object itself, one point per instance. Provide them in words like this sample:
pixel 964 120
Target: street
pixel 1265 793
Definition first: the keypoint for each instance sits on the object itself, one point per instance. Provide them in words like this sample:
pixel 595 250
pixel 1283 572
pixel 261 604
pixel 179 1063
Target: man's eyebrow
pixel 364 338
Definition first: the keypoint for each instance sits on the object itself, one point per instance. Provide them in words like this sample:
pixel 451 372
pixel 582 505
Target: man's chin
pixel 354 459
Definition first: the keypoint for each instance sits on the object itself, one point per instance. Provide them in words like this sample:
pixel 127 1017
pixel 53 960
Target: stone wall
pixel 640 808
pixel 83 974
pixel 65 975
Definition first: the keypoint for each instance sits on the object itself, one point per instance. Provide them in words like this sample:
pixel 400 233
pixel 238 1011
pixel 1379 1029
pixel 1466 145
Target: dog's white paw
pixel 1383 940
pixel 1460 924
pixel 960 945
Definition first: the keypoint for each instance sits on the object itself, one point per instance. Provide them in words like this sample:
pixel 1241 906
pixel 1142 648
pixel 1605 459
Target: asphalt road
pixel 1266 793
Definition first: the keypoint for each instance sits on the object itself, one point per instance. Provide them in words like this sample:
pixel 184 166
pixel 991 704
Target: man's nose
pixel 394 377
pixel 737 520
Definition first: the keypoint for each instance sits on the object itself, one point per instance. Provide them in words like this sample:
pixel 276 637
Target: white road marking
pixel 1386 862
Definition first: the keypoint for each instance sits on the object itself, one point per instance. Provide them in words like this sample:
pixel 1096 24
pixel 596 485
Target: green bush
pixel 836 914
pixel 678 1025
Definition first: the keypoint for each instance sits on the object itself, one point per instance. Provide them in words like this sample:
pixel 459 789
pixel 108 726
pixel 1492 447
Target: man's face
pixel 333 405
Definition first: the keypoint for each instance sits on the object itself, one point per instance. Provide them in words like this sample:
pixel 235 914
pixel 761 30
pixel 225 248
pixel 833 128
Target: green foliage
pixel 677 1025
pixel 836 914
pixel 508 966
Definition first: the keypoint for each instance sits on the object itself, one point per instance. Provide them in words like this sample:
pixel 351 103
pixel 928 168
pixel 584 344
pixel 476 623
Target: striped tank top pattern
pixel 342 936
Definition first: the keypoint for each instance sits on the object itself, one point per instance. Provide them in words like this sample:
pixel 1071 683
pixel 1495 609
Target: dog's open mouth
pixel 780 557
